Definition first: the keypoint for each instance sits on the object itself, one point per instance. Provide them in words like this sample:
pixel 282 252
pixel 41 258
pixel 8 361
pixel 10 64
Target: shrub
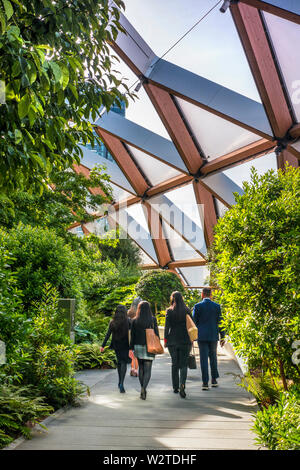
pixel 192 297
pixel 49 363
pixel 83 335
pixel 278 426
pixel 255 261
pixel 18 407
pixel 39 256
pixel 95 325
pixel 62 391
pixel 13 324
pixel 120 295
pixel 156 287
pixel 88 356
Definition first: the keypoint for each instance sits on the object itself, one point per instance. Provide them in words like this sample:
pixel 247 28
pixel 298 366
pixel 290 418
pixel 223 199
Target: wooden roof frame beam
pixel 173 122
pixel 275 10
pixel 156 231
pixel 253 36
pixel 207 211
pixel 125 162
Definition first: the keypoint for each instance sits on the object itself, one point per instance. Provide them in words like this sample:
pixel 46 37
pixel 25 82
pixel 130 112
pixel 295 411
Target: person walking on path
pixel 119 330
pixel 143 320
pixel 131 314
pixel 178 342
pixel 207 318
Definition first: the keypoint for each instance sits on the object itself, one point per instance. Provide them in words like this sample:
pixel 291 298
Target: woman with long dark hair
pixel 119 328
pixel 177 340
pixel 143 320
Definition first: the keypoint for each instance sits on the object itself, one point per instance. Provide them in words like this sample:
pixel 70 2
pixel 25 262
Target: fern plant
pixel 88 356
pixel 18 406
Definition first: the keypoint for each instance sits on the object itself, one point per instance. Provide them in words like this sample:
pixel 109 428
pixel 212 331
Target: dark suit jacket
pixel 207 317
pixel 176 332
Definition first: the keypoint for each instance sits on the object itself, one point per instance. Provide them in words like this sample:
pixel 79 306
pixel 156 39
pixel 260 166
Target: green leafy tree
pixel 255 261
pixel 157 286
pixel 57 69
pixel 67 199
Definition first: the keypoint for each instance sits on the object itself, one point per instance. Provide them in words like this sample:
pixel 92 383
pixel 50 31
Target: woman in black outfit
pixel 142 321
pixel 178 342
pixel 119 328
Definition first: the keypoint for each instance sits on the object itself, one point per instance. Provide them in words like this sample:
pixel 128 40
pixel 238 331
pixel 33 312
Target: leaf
pixel 9 11
pixel 16 69
pixel 31 72
pixel 57 72
pixel 66 75
pixel 18 136
pixel 23 106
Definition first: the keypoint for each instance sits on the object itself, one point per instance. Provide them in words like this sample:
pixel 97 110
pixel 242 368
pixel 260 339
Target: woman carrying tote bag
pixel 119 328
pixel 142 322
pixel 178 341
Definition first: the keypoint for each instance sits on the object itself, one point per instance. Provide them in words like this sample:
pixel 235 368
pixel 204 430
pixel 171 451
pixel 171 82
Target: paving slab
pixel 218 419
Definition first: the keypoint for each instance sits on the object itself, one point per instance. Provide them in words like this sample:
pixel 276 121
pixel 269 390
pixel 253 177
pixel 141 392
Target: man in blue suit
pixel 207 317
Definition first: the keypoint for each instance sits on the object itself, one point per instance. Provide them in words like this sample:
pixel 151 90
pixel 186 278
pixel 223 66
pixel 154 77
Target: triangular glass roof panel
pixel 155 171
pixel 91 158
pixel 179 209
pixel 136 229
pixel 242 172
pixel 285 37
pixel 215 136
pixel 197 276
pixel 181 250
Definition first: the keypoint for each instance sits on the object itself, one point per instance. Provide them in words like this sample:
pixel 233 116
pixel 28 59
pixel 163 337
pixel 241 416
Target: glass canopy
pixel 202 118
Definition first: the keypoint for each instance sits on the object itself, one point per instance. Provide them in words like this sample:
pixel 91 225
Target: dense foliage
pixel 278 426
pixel 18 407
pixel 256 263
pixel 156 287
pixel 88 356
pixel 40 256
pixel 57 70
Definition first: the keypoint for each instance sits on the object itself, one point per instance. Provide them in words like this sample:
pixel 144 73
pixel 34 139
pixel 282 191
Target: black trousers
pixel 179 356
pixel 145 367
pixel 122 368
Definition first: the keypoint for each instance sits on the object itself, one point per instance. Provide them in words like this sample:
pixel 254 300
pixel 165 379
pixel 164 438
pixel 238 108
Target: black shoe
pixel 176 390
pixel 214 383
pixel 182 392
pixel 122 389
pixel 205 387
pixel 143 394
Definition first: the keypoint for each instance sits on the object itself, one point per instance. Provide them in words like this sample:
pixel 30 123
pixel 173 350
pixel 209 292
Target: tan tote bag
pixel 153 342
pixel 191 328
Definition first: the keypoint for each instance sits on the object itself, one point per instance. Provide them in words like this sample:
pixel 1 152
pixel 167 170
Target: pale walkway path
pixel 215 419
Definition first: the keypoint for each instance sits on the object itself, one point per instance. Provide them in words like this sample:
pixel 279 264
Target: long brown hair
pixel 178 306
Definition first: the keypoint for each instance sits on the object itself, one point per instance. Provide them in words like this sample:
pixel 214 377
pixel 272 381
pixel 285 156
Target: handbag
pixel 153 342
pixel 191 328
pixel 192 363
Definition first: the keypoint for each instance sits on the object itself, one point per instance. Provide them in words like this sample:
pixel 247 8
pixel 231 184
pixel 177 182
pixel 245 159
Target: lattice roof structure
pixel 212 129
